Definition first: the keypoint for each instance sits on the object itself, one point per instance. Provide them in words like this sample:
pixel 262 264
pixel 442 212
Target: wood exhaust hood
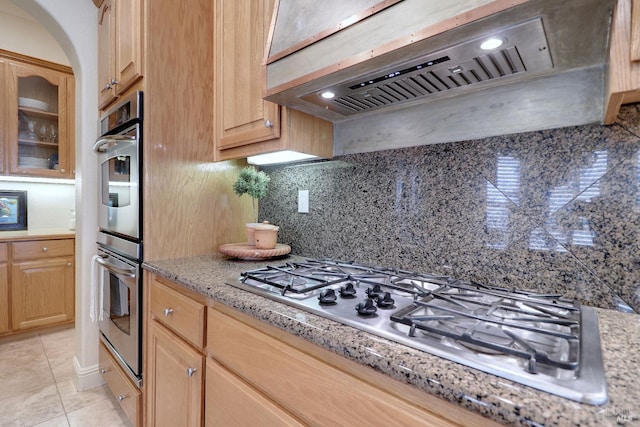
pixel 379 56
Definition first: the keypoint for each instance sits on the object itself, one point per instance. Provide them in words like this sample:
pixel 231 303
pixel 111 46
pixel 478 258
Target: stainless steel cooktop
pixel 543 341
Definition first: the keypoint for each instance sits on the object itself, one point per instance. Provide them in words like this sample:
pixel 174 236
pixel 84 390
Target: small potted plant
pixel 254 183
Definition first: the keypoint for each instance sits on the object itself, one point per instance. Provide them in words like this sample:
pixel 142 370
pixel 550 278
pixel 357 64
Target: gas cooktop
pixel 544 341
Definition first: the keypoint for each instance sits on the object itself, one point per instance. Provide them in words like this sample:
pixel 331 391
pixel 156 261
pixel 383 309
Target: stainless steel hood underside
pixel 541 38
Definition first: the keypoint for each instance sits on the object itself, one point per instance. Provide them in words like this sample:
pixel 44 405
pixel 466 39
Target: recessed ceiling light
pixel 327 95
pixel 491 43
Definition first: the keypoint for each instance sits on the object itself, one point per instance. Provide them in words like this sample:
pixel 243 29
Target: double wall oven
pixel 119 251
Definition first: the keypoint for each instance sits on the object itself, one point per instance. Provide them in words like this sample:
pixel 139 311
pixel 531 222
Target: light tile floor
pixel 36 386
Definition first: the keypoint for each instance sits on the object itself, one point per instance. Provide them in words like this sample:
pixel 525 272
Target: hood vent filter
pixel 524 51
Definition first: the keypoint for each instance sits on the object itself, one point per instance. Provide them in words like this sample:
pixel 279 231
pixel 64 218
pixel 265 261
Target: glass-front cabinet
pixel 39 138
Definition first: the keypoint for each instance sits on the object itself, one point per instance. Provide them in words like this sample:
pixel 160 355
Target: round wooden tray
pixel 249 252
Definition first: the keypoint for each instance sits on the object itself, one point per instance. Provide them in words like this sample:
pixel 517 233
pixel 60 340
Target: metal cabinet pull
pixel 107 87
pixel 121 398
pixel 268 124
pixel 45 249
pixel 103 371
pixel 68 264
pixel 168 311
pixel 191 371
pixel 114 82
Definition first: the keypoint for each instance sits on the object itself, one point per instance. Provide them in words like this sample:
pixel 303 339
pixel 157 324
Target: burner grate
pixel 537 331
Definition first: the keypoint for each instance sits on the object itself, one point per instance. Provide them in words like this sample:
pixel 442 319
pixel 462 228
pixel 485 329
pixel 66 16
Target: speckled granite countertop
pixel 499 399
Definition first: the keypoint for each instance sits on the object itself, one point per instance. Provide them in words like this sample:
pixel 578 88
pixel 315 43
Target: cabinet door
pixel 120 44
pixel 106 53
pixel 232 402
pixel 242 117
pixel 37 130
pixel 316 392
pixel 174 380
pixel 42 292
pixel 4 100
pixel 128 47
pixel 4 299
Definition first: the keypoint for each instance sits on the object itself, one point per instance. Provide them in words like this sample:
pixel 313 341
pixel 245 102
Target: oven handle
pixel 127 272
pixel 103 140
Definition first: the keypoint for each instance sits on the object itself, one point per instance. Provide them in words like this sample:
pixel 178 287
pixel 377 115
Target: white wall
pixel 48 205
pixel 73 24
pixel 20 32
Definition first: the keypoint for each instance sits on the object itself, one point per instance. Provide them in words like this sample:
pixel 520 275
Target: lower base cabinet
pixel 258 375
pixel 4 297
pixel 174 380
pixel 232 402
pixel 42 292
pixel 316 392
pixel 37 283
pixel 127 394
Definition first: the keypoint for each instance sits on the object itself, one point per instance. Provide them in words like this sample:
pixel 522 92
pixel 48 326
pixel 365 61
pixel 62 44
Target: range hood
pixel 339 60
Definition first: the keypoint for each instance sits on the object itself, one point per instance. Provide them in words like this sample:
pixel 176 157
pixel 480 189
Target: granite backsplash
pixel 553 211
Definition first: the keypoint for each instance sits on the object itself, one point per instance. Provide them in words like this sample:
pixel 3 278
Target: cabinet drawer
pixel 180 313
pixel 232 402
pixel 42 249
pixel 4 252
pixel 304 385
pixel 126 393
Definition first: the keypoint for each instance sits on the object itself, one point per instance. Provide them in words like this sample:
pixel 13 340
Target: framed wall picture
pixel 13 210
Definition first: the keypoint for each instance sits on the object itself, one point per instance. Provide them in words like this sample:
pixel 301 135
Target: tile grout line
pixel 55 381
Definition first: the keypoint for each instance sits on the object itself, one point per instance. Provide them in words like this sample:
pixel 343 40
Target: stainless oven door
pixel 119 178
pixel 120 283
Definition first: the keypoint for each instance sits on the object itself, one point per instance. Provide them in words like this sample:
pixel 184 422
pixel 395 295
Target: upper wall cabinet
pixel 624 58
pixel 37 118
pixel 246 124
pixel 120 45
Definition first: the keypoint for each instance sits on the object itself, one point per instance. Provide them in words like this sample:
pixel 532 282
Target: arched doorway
pixel 73 24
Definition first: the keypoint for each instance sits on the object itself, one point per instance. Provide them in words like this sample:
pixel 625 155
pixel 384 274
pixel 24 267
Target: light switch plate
pixel 303 201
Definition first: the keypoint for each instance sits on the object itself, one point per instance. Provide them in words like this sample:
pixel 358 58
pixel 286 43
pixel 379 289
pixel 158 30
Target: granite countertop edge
pixel 496 398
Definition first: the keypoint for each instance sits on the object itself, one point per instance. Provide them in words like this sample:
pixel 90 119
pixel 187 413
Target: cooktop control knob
pixel 348 291
pixel 385 300
pixel 374 292
pixel 366 308
pixel 327 296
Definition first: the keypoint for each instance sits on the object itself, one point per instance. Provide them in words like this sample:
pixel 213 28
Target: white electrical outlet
pixel 303 201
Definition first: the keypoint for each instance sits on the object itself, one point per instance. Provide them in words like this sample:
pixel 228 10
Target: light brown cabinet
pixel 174 368
pixel 312 390
pixel 42 283
pixel 231 401
pixel 624 58
pixel 128 395
pixel 37 284
pixel 181 314
pixel 38 117
pixel 4 290
pixel 175 380
pixel 257 374
pixel 120 48
pixel 246 124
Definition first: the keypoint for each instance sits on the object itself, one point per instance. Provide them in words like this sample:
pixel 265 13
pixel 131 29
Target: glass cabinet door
pixel 40 126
